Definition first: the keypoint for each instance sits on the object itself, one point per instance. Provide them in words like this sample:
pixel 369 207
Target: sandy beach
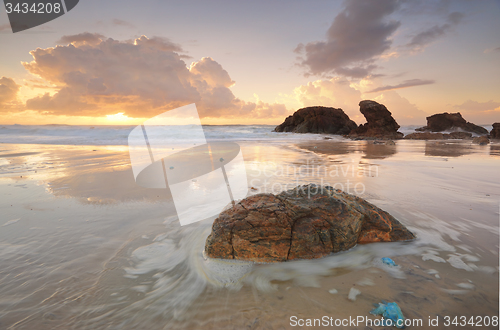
pixel 135 137
pixel 84 247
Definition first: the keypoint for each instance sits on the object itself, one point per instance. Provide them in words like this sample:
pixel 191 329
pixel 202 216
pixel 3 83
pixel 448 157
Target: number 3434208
pixel 473 321
pixel 35 8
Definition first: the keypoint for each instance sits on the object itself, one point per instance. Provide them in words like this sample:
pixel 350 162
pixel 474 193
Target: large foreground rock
pixel 302 223
pixel 379 122
pixel 317 120
pixel 495 132
pixel 451 121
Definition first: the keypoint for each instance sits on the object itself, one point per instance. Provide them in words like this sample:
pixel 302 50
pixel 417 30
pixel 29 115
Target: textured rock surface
pixel 481 140
pixel 302 223
pixel 438 136
pixel 425 136
pixel 317 120
pixel 495 132
pixel 450 121
pixel 379 122
pixel 458 135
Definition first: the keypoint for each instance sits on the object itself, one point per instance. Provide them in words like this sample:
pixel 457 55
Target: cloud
pixel 8 95
pixel 82 38
pixel 97 76
pixel 492 50
pixel 470 105
pixel 341 93
pixel 426 37
pixel 357 36
pixel 121 22
pixel 336 92
pixel 404 84
pixel 481 113
pixel 405 112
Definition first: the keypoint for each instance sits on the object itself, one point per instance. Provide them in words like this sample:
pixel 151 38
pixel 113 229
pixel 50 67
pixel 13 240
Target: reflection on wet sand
pixel 19 154
pixel 329 147
pixel 379 150
pixel 495 150
pixel 91 176
pixel 447 149
pixel 370 149
pixel 105 187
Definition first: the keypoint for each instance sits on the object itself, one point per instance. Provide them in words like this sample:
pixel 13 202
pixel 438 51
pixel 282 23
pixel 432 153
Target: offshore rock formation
pixel 306 222
pixel 317 120
pixel 451 121
pixel 379 122
pixel 495 132
pixel 438 136
pixel 481 140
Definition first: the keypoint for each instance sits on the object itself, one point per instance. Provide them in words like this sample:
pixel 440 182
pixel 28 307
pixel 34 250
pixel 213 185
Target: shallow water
pixel 83 247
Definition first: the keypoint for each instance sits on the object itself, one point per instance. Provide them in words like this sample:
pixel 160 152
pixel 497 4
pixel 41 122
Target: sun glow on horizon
pixel 118 117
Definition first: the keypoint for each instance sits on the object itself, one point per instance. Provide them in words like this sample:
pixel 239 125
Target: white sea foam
pixel 353 293
pixel 10 222
pixel 118 135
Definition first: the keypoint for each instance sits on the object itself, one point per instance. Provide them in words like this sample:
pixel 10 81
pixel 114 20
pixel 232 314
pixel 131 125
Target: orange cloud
pixel 335 92
pixel 9 95
pixel 139 78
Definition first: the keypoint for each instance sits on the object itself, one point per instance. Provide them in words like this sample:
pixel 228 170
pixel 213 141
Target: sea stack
pixel 495 132
pixel 317 120
pixel 379 122
pixel 449 122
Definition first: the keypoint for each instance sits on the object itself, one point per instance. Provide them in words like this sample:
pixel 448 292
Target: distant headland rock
pixel 317 120
pixel 495 132
pixel 306 222
pixel 379 122
pixel 450 121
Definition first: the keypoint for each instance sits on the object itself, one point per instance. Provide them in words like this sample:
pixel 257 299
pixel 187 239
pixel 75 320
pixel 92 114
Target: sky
pixel 252 62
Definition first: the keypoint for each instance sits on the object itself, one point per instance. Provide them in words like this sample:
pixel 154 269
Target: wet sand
pixel 84 247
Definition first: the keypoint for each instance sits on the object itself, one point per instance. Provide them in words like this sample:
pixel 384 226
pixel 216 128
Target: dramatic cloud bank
pixel 97 76
pixel 8 94
pixel 357 36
